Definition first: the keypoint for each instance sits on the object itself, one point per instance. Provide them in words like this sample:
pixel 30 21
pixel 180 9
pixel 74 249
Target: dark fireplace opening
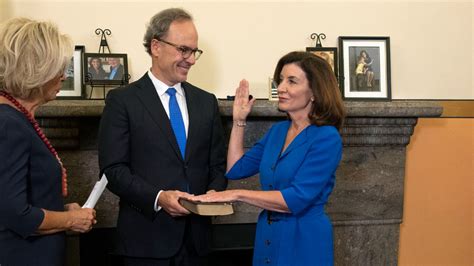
pixel 232 245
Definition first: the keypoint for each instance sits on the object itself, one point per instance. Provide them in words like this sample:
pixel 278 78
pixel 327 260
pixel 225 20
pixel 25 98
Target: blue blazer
pixel 305 174
pixel 30 179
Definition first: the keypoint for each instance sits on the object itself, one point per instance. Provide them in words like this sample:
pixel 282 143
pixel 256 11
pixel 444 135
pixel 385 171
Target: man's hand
pixel 168 200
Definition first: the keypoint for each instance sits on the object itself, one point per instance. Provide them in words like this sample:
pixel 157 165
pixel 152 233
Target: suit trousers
pixel 186 256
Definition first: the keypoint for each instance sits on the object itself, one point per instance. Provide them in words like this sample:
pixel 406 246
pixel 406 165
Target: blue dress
pixel 305 175
pixel 30 179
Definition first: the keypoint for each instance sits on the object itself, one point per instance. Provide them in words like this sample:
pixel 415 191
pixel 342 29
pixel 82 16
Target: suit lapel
pixel 194 114
pixel 146 92
pixel 299 140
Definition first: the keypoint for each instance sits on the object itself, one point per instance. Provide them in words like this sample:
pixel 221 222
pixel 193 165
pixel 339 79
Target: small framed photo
pixel 365 68
pixel 105 69
pixel 72 87
pixel 327 53
pixel 272 90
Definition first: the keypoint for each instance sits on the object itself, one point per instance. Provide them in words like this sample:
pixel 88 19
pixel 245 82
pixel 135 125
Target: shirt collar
pixel 161 87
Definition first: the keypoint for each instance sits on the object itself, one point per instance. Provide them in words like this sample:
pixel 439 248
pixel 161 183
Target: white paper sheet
pixel 98 189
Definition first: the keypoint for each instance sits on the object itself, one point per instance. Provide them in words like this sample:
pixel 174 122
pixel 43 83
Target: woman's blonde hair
pixel 31 54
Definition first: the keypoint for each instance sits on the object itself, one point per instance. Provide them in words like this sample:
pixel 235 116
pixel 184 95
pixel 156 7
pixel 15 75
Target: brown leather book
pixel 208 208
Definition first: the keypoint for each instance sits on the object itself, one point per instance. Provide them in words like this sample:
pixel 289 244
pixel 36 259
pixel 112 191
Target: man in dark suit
pixel 116 69
pixel 152 158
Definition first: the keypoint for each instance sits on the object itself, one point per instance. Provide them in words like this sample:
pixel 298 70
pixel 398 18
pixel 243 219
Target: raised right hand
pixel 242 104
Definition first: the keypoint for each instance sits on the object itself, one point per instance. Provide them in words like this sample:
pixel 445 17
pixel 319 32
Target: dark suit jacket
pixel 119 74
pixel 140 156
pixel 30 179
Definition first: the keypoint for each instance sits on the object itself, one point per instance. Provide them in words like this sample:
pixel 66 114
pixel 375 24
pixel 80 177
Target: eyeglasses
pixel 184 50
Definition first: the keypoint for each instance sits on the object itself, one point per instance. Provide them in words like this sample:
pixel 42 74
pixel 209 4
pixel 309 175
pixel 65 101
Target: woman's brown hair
pixel 328 106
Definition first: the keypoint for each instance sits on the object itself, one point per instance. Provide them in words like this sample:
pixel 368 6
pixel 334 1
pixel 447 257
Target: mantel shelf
pixel 262 108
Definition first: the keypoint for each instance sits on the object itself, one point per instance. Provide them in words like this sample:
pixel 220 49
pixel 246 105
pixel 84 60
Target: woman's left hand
pixel 222 196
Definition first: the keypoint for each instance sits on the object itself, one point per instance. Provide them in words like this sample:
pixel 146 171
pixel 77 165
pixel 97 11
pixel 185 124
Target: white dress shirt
pixel 161 89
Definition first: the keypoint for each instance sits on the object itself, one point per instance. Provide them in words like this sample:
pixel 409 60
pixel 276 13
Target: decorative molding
pixel 457 108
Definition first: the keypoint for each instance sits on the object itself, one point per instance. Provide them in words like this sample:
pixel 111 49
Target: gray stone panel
pixel 366 245
pixel 83 172
pixel 366 206
pixel 369 184
pixel 254 130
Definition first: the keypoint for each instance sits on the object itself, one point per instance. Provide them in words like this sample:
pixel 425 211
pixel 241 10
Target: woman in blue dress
pixel 296 160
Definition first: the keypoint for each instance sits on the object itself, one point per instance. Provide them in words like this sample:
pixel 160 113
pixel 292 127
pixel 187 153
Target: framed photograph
pixel 365 68
pixel 72 87
pixel 272 90
pixel 105 69
pixel 327 53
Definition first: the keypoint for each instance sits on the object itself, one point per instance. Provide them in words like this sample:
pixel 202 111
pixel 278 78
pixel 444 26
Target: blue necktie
pixel 112 73
pixel 176 120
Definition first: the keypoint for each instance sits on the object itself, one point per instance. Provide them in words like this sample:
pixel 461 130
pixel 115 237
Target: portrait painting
pixel 365 68
pixel 327 53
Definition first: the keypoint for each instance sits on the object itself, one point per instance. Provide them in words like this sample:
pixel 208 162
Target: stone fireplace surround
pixel 366 206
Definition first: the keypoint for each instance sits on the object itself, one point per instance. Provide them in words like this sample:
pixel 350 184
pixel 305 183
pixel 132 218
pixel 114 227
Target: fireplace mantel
pixel 396 108
pixel 366 207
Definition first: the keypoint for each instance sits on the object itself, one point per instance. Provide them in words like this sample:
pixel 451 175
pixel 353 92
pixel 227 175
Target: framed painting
pixel 365 68
pixel 272 90
pixel 105 69
pixel 72 87
pixel 327 53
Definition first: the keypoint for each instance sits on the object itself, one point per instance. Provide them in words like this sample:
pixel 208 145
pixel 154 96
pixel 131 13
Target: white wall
pixel 431 42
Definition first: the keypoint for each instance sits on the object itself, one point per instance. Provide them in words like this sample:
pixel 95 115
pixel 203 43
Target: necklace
pixel 42 136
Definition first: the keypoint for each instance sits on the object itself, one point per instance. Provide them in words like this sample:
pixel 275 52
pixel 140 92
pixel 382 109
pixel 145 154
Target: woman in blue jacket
pixel 296 159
